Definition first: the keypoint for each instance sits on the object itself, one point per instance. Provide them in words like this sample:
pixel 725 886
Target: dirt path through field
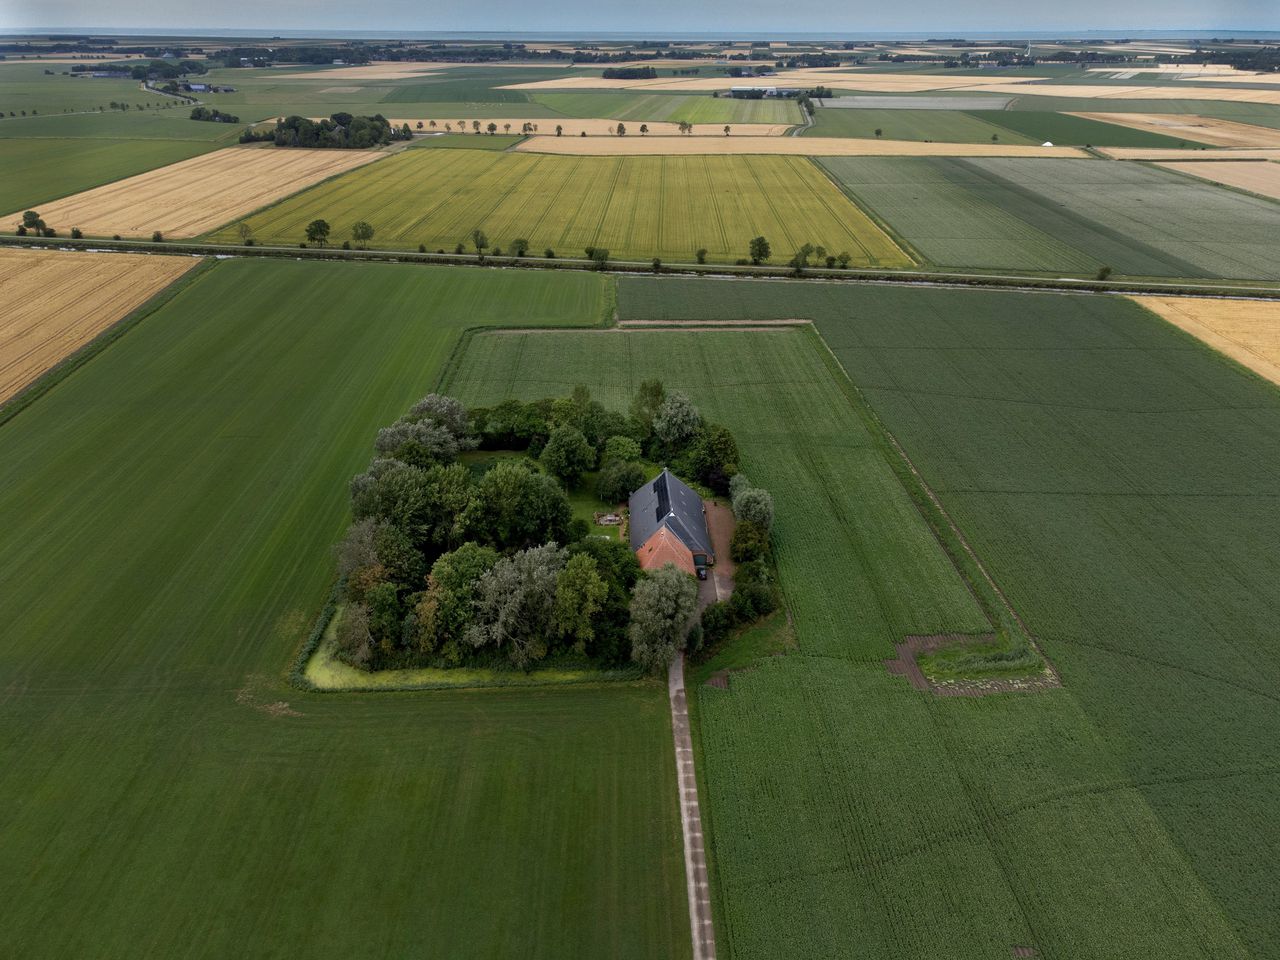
pixel 695 855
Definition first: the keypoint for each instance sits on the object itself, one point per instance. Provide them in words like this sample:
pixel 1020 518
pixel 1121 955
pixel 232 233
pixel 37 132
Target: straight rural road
pixel 695 854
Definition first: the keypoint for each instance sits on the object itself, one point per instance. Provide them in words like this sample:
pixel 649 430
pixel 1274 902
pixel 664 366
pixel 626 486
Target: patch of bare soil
pixel 250 695
pixel 907 664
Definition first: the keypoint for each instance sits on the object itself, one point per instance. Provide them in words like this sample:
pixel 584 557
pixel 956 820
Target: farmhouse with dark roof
pixel 669 525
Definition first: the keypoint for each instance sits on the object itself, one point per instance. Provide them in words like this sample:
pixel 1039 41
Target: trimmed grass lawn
pixel 636 207
pixel 1066 216
pixel 167 516
pixel 1116 478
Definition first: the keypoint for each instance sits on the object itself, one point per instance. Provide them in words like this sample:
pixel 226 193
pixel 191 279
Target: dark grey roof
pixel 667 501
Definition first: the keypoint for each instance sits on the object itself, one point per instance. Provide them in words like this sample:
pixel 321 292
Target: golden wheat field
pixel 1247 331
pixel 194 196
pixel 1256 176
pixel 57 301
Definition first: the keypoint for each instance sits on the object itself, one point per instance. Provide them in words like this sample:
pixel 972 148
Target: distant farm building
pixel 756 93
pixel 669 525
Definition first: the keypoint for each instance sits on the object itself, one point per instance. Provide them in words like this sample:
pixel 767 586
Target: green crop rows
pixel 1116 479
pixel 1066 215
pixel 167 517
pixel 953 126
pixel 670 107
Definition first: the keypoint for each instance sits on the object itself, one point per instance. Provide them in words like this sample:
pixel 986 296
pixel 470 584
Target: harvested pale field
pixel 789 146
pixel 1243 78
pixel 598 127
pixel 836 78
pixel 1247 331
pixel 1205 156
pixel 1210 130
pixel 57 301
pixel 1210 69
pixel 192 197
pixel 1256 176
pixel 1135 92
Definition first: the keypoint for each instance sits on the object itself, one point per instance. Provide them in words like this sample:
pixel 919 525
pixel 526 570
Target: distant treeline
pixel 342 131
pixel 1266 59
pixel 629 73
pixel 211 115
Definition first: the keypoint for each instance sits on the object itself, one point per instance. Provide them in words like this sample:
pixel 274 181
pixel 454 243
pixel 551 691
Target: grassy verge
pixel 325 672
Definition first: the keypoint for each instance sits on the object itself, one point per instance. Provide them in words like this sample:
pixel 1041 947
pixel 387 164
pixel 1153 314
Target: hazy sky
pixel 653 16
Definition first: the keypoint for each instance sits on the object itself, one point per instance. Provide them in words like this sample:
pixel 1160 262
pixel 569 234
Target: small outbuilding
pixel 669 525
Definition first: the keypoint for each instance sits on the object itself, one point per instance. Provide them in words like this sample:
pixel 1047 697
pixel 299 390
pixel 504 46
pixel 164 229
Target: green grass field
pixel 670 107
pixel 26 86
pixel 1114 476
pixel 1063 130
pixel 946 126
pixel 636 207
pixel 167 515
pixel 172 123
pixel 470 92
pixel 39 170
pixel 1066 216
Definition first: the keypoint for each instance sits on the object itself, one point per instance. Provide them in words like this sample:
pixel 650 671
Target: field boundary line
pixel 69 364
pixel 942 519
pixel 204 237
pixel 885 276
pixel 894 237
pixel 701 926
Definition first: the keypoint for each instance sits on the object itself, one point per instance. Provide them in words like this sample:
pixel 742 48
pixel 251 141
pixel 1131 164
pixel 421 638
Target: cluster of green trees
pixel 33 224
pixel 213 115
pixel 574 435
pixel 629 73
pixel 163 69
pixel 443 567
pixel 341 131
pixel 319 231
pixel 755 590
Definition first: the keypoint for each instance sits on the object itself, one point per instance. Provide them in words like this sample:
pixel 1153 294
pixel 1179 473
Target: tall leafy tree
pixel 580 593
pixel 662 608
pixel 318 232
pixel 515 607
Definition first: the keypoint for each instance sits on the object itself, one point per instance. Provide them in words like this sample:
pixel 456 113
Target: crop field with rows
pixel 170 510
pixel 800 439
pixel 1066 215
pixel 636 207
pixel 673 107
pixel 942 125
pixel 1114 475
